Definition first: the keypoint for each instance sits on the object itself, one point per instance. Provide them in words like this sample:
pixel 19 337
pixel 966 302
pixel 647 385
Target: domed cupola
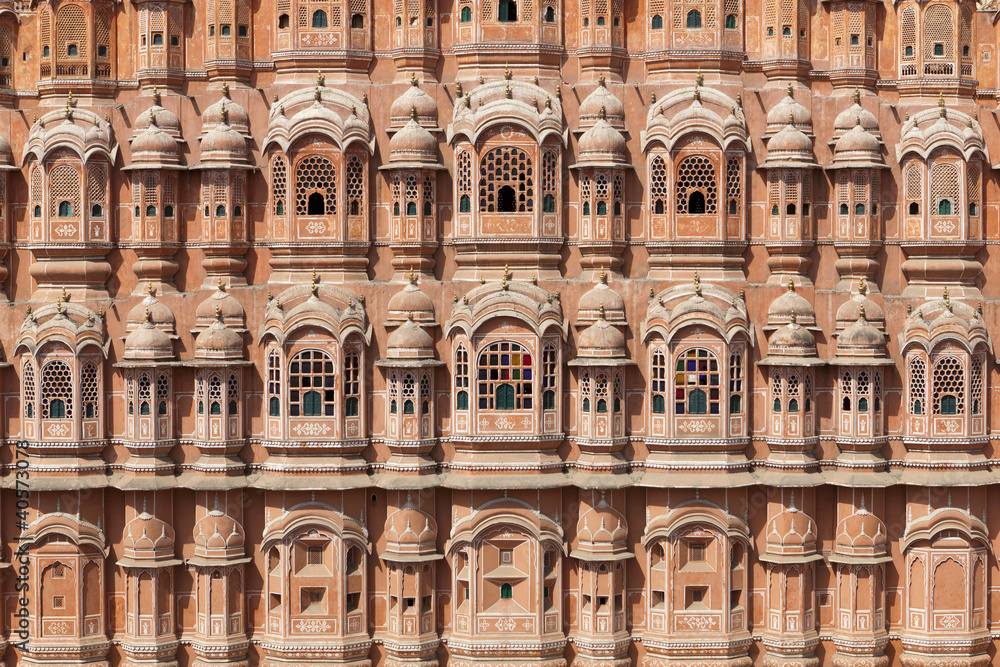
pixel 781 309
pixel 219 343
pixel 410 533
pixel 602 532
pixel 791 536
pixel 153 145
pixel 413 145
pixel 148 541
pixel 410 341
pixel 148 343
pixel 861 537
pixel 226 112
pixel 790 148
pixel 220 301
pixel 853 116
pixel 601 298
pixel 222 143
pixel 788 107
pixel 411 303
pixel 601 100
pixel 601 341
pixel 165 119
pixel 601 145
pixel 159 313
pixel 414 102
pixel 218 539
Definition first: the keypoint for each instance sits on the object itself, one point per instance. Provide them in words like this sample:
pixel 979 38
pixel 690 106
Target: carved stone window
pixel 696 383
pixel 505 375
pixel 506 182
pixel 311 383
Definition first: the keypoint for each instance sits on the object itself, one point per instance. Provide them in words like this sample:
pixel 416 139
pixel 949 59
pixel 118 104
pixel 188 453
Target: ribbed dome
pixel 218 536
pixel 860 535
pixel 411 302
pixel 153 145
pixel 414 102
pixel 148 539
pixel 792 340
pixel 601 340
pixel 601 143
pixel 781 309
pixel 226 111
pixel 219 342
pixel 602 529
pixel 601 296
pixel 855 115
pixel 410 531
pixel 148 343
pixel 601 98
pixel 410 341
pixel 413 144
pixel 223 143
pixel 787 108
pixel 791 533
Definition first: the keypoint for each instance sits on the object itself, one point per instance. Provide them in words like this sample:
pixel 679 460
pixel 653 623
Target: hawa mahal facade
pixel 526 333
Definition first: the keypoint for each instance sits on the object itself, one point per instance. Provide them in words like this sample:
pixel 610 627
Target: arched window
pixel 549 371
pixel 65 209
pixel 316 204
pixel 72 51
pixel 550 14
pixel 658 382
pixel 505 376
pixel 730 21
pixel 506 591
pixel 694 19
pixel 658 184
pixel 696 383
pixel 411 208
pixel 220 210
pixel 311 385
pixel 949 386
pixel 735 383
pixel 944 207
pixel 465 204
pixel 466 14
pixel 283 22
pixel 57 390
pixel 657 22
pixel 315 175
pixel 918 374
pixel 507 10
pixel 89 390
pixel 914 208
pixel 549 204
pixel 357 21
pixel 506 183
pixel 319 19
pixel 352 384
pixel 462 378
pixel 274 384
pixel 696 174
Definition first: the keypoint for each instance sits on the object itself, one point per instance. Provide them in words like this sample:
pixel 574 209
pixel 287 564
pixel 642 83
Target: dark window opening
pixel 319 19
pixel 316 204
pixel 696 203
pixel 506 200
pixel 694 19
pixel 283 21
pixel 657 22
pixel 914 208
pixel 507 11
pixel 357 21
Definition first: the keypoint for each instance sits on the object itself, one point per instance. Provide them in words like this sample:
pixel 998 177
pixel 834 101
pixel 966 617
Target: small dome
pixel 154 145
pixel 413 144
pixel 858 145
pixel 790 139
pixel 148 343
pixel 410 531
pixel 410 341
pixel 792 340
pixel 414 102
pixel 219 342
pixel 165 119
pixel 791 533
pixel 860 535
pixel 851 310
pixel 787 108
pixel 855 115
pixel 161 315
pixel 601 143
pixel 218 536
pixel 147 538
pixel 602 529
pixel 789 303
pixel 6 155
pixel 601 296
pixel 225 111
pixel 411 302
pixel 221 301
pixel 601 340
pixel 601 99
pixel 861 339
pixel 223 143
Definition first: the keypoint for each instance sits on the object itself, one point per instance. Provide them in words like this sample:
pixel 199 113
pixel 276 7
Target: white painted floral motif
pixel 311 429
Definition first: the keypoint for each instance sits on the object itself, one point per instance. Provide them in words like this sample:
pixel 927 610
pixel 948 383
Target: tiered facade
pixel 499 333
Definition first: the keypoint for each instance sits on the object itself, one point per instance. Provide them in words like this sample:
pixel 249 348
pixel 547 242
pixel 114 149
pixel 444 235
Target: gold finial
pixel 481 80
pixel 699 79
pixel 791 284
pixel 507 93
pixel 318 94
pixel 68 112
pixel 354 110
pixel 270 297
pixel 149 318
pixel 468 102
pixel 739 100
pixel 534 103
pixel 535 80
pixel 506 271
pixel 603 115
pixel 743 294
pixel 320 80
pixel 534 279
pixel 413 79
pixel 455 298
pixel 274 99
pixel 602 312
pixel 652 293
pixel 857 96
pixel 600 80
pixel 603 277
pixel 548 103
pixel 979 309
pixel 482 279
pixel 503 283
pixel 791 318
pixel 857 121
pixel 506 72
pixel 152 118
pixel 790 89
pixel 64 297
pixel 225 90
pixel 69 99
pixel 281 109
pixel 862 286
pixel 861 311
pixel 791 119
pixel 413 113
pixel 458 89
pixel 29 315
pixel 697 94
pixel 364 98
pixel 697 283
pixel 909 309
pixel 218 313
pixel 465 299
pixel 156 96
pixel 906 116
pixel 652 98
pixel 413 278
pixel 149 288
pixel 219 285
pixel 315 283
pixel 947 300
pixel 224 115
pixel 59 305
